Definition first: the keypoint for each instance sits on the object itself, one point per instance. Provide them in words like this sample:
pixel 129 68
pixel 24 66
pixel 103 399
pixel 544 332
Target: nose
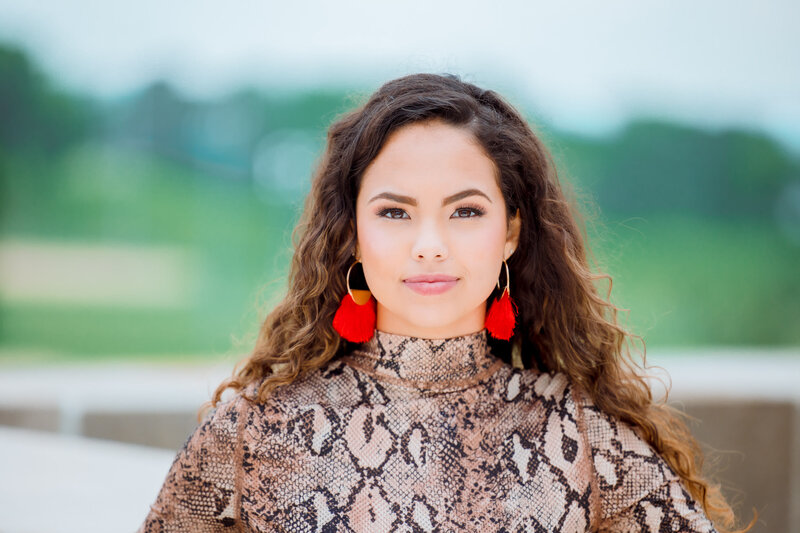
pixel 430 244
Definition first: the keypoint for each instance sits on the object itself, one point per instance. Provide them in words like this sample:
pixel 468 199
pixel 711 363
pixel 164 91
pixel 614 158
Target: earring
pixel 501 317
pixel 355 317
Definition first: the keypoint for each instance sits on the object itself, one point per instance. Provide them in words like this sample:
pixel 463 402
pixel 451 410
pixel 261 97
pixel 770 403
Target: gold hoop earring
pixel 356 316
pixel 508 278
pixel 359 296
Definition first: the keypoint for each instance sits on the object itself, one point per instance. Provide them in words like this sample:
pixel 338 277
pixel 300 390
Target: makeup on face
pixel 431 284
pixel 432 230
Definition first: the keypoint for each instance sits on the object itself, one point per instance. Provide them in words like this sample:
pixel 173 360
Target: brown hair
pixel 564 325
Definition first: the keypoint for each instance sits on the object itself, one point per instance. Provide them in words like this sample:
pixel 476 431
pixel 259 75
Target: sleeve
pixel 199 492
pixel 667 508
pixel 637 489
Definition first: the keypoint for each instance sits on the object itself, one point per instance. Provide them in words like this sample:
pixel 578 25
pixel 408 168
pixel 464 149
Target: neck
pixel 435 364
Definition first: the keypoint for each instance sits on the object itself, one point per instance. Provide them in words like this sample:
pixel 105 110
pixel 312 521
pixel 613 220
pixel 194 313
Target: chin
pixel 431 317
pixel 429 314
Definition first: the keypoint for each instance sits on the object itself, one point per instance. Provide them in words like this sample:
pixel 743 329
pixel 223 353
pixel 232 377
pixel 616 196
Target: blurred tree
pixel 655 167
pixel 37 116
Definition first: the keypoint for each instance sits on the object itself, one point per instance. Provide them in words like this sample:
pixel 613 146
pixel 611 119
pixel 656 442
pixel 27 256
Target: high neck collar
pixel 434 364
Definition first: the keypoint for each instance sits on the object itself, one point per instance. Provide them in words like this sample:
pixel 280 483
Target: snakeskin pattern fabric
pixel 417 435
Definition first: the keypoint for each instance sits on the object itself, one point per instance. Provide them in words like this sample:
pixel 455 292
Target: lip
pixel 429 284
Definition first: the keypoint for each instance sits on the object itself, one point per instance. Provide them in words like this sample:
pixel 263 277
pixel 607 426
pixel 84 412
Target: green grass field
pixel 686 280
pixel 690 281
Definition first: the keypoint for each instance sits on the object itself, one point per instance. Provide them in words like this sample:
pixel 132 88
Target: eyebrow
pixel 411 201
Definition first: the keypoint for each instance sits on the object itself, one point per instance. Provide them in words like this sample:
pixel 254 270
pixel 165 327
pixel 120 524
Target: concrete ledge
pixel 42 418
pixel 152 405
pixel 163 430
pixel 750 448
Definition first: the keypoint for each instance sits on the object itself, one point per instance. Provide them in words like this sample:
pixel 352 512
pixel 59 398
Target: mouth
pixel 430 284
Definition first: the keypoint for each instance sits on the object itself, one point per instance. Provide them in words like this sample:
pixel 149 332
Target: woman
pixel 442 360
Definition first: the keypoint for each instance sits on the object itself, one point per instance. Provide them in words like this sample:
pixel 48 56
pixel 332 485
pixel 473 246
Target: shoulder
pixel 608 435
pixel 624 467
pixel 549 392
pixel 334 384
pixel 541 406
pixel 291 416
pixel 627 469
pixel 221 422
pixel 528 384
pixel 215 437
pixel 618 450
pixel 199 489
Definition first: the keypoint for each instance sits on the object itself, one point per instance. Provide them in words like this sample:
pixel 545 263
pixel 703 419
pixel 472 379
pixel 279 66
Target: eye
pixel 392 212
pixel 468 211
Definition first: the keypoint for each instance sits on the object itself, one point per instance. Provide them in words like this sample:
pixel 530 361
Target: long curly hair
pixel 563 323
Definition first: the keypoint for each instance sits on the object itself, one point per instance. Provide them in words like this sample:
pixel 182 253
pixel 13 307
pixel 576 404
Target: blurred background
pixel 154 158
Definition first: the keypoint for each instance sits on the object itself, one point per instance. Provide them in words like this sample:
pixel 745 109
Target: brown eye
pixel 392 212
pixel 468 212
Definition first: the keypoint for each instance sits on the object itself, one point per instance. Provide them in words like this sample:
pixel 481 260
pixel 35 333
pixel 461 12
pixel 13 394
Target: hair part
pixel 563 324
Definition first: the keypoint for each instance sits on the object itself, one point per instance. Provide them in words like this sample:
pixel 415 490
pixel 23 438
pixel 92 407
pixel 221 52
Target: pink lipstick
pixel 430 284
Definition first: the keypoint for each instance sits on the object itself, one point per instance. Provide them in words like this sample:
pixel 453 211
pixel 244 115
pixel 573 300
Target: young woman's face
pixel 432 231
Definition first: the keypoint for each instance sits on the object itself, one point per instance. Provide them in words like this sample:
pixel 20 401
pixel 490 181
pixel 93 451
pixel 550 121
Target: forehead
pixel 430 158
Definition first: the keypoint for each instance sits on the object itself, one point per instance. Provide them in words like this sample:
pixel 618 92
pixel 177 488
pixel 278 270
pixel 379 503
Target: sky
pixel 581 65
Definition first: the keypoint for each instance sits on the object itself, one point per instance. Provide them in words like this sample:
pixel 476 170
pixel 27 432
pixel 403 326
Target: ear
pixel 512 236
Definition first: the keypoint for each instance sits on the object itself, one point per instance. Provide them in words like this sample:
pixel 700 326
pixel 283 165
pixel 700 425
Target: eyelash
pixel 478 211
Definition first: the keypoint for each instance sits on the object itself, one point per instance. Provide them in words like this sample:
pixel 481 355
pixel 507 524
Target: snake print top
pixel 418 435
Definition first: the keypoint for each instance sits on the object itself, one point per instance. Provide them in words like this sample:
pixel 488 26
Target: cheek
pixel 380 254
pixel 484 244
pixel 482 254
pixel 373 239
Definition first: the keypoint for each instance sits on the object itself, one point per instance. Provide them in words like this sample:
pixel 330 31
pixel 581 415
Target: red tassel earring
pixel 355 318
pixel 501 317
